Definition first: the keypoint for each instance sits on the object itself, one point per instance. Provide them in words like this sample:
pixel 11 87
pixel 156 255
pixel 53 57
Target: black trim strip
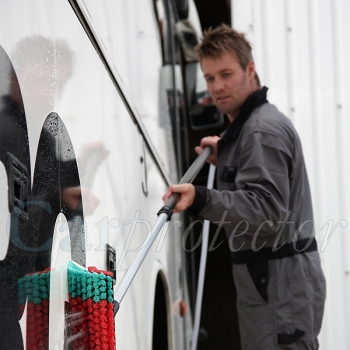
pixel 91 36
pixel 286 250
pixel 171 34
pixel 95 44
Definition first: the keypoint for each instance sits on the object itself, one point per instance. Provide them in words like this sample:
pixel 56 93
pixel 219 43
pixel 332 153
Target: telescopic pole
pixel 164 215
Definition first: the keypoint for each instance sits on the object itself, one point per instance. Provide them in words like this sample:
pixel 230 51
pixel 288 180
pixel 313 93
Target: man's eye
pixel 209 79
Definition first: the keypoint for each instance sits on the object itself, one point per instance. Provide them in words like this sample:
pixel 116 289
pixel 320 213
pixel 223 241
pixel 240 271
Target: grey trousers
pixel 280 303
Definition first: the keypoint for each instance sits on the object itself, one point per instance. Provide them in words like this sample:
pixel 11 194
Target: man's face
pixel 228 84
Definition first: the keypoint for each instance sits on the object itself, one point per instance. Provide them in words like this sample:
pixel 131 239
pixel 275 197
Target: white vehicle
pixel 95 107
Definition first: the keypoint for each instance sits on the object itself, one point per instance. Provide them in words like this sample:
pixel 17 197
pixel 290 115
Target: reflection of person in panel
pixel 30 230
pixel 44 68
pixel 263 201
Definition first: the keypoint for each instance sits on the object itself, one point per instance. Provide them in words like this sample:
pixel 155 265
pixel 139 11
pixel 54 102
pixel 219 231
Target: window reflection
pixel 202 111
pixel 163 30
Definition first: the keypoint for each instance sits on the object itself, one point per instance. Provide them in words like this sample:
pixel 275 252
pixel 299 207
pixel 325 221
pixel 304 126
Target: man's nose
pixel 218 85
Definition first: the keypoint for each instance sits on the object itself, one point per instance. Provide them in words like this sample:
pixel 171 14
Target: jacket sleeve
pixel 262 186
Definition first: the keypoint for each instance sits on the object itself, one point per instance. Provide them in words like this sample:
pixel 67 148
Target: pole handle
pixel 188 177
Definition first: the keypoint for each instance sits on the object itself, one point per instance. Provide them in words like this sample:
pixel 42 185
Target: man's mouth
pixel 222 98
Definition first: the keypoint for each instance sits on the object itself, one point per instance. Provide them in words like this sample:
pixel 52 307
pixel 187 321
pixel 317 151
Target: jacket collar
pixel 256 99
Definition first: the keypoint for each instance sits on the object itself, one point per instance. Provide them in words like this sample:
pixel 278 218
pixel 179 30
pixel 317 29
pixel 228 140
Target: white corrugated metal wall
pixel 302 53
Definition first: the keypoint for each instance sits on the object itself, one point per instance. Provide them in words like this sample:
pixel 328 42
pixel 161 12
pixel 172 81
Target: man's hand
pixel 187 194
pixel 209 141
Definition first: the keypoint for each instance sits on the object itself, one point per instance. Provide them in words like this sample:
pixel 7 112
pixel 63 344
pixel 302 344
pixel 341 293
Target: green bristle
pixel 86 284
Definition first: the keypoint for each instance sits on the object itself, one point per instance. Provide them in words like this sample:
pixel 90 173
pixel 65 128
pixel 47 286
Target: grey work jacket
pixel 263 201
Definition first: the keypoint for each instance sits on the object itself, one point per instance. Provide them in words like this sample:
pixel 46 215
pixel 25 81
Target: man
pixel 263 201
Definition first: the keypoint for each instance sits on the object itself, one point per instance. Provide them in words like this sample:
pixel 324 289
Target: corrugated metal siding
pixel 302 53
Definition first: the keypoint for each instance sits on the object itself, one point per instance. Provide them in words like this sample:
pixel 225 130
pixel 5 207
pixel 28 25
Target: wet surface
pixel 33 208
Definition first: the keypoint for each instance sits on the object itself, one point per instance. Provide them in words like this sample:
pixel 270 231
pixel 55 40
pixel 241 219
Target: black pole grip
pixel 188 177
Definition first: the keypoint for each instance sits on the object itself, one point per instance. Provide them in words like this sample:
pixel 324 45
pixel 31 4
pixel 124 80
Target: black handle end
pixel 167 210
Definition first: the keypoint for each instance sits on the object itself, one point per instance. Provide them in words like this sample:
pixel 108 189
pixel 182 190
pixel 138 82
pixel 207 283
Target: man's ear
pixel 251 70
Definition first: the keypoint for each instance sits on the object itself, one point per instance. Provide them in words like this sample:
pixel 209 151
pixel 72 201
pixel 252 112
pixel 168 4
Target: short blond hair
pixel 225 39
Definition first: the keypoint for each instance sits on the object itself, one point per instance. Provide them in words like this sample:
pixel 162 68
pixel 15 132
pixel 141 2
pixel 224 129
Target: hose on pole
pixel 202 266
